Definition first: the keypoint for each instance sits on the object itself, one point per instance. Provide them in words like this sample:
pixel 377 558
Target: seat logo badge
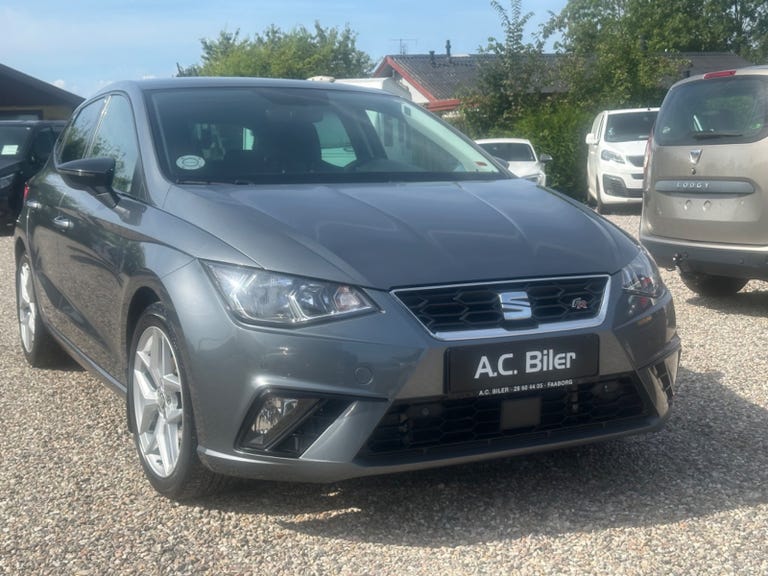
pixel 579 304
pixel 695 156
pixel 515 305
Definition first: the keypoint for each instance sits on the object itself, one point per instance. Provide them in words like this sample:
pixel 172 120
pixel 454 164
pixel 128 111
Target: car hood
pixel 630 148
pixel 394 235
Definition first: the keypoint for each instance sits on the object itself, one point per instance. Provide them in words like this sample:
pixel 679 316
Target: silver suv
pixel 705 208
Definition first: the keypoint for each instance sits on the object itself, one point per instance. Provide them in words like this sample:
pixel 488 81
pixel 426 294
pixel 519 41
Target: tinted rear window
pixel 724 110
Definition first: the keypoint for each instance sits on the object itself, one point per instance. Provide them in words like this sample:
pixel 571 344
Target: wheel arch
pixel 19 248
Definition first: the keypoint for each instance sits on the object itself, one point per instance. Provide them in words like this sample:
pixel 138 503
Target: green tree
pixel 519 93
pixel 509 79
pixel 671 26
pixel 300 53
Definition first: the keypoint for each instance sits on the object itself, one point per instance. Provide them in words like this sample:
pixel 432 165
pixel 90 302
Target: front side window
pixel 268 134
pixel 77 137
pixel 723 110
pixel 116 138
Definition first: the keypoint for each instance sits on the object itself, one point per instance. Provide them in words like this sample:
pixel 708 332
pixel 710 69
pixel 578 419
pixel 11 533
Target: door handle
pixel 63 223
pixel 34 205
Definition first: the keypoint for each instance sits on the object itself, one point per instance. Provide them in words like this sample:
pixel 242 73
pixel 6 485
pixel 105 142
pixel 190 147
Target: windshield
pixel 629 126
pixel 12 139
pixel 269 134
pixel 510 151
pixel 724 110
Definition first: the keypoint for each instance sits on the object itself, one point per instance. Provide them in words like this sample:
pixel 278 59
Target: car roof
pixel 231 82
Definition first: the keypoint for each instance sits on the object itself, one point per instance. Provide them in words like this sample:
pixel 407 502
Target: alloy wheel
pixel 27 307
pixel 157 400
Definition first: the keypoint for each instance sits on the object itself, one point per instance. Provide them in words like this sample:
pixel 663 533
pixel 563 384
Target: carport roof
pixel 19 89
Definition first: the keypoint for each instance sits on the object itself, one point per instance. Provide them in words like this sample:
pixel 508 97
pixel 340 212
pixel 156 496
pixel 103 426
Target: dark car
pixel 290 280
pixel 24 147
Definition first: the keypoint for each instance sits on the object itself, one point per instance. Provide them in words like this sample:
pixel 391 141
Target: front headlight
pixel 6 181
pixel 641 277
pixel 641 282
pixel 259 296
pixel 611 156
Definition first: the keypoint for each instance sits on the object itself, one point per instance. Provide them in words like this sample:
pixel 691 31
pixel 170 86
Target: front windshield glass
pixel 510 151
pixel 269 134
pixel 629 126
pixel 12 139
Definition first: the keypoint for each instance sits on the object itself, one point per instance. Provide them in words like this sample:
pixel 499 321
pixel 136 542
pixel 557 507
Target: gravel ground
pixel 691 499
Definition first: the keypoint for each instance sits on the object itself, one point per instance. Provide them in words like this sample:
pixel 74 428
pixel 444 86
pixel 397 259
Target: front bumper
pixel 389 374
pixel 621 186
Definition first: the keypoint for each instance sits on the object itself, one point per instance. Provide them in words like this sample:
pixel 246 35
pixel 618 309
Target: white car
pixel 520 156
pixel 616 145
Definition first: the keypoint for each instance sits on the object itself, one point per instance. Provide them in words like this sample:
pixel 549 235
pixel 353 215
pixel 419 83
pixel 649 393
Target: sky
pixel 83 45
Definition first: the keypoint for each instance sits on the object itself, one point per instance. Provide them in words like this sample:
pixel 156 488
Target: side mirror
pixel 544 158
pixel 590 139
pixel 94 175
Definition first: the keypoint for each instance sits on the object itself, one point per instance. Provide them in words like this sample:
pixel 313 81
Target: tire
pixel 39 347
pixel 160 411
pixel 709 285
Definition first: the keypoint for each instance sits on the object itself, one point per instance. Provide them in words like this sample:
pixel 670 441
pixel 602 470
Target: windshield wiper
pixel 205 182
pixel 714 135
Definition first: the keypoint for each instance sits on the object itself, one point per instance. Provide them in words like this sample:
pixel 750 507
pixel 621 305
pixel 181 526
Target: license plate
pixel 517 367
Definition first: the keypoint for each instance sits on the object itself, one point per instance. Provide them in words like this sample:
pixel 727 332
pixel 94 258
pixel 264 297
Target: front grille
pixel 637 161
pixel 477 307
pixel 423 426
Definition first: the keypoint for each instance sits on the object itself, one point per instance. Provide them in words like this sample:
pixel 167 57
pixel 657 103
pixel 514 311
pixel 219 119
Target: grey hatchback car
pixel 290 280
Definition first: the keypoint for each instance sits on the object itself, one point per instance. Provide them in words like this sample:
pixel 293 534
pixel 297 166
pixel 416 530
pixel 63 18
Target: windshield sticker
pixel 9 150
pixel 190 162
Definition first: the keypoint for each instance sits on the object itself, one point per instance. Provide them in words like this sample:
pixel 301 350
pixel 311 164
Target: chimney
pixel 448 49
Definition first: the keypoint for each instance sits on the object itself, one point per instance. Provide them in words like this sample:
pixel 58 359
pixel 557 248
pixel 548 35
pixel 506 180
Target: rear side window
pixel 724 110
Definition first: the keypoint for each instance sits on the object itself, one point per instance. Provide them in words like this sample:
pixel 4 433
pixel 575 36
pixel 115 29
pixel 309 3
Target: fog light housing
pixel 276 416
